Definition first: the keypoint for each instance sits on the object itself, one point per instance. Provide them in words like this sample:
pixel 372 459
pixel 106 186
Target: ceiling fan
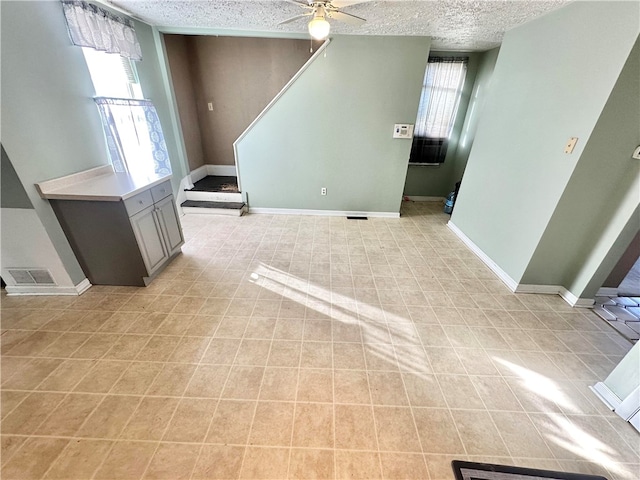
pixel 320 11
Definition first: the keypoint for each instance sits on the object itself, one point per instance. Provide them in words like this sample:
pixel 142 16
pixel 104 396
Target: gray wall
pixel 239 76
pixel 12 193
pixel 333 128
pixel 552 80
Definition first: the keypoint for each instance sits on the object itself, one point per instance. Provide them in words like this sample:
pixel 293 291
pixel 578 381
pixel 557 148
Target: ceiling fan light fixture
pixel 319 27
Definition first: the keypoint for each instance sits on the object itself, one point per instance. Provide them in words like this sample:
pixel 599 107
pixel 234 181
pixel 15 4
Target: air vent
pixel 31 276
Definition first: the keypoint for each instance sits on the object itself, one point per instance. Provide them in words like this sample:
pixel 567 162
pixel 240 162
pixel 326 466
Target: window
pixel 132 129
pixel 441 92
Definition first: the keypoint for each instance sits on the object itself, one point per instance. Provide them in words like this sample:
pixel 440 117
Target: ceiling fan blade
pixel 346 3
pixel 346 18
pixel 297 17
pixel 300 3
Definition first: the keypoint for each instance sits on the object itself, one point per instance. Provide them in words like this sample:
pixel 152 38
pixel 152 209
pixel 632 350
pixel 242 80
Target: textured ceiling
pixel 452 24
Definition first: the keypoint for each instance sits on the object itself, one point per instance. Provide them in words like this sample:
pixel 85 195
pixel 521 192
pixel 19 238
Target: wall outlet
pixel 323 191
pixel 571 144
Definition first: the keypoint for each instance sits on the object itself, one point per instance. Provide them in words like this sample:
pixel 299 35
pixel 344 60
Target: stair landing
pixel 218 195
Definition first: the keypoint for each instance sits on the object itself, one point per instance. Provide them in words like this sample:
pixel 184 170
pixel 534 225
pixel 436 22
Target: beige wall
pixel 239 76
pixel 179 64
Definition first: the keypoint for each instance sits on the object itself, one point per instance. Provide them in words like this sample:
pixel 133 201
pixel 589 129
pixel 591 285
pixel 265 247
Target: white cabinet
pixel 158 233
pixel 124 242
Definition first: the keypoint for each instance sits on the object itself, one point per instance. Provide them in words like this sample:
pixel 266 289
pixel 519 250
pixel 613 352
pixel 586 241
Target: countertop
pixel 98 184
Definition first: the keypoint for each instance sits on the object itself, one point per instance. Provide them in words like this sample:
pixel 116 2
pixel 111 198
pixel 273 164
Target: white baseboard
pixel 198 174
pixel 181 197
pixel 218 170
pixel 493 266
pixel 414 198
pixel 16 290
pixel 574 301
pixel 607 292
pixel 514 286
pixel 539 289
pixel 327 213
pixel 222 170
pixel 609 398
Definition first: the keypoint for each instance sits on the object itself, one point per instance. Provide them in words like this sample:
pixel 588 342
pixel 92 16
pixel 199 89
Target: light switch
pixel 570 145
pixel 403 130
pixel 210 106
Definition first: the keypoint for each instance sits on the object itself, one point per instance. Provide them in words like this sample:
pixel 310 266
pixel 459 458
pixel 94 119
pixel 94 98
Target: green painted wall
pixel 626 376
pixel 551 81
pixel 12 193
pixel 487 63
pixel 154 79
pixel 600 199
pixel 333 128
pixel 438 180
pixel 50 126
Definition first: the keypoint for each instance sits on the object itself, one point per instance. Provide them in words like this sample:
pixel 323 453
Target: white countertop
pixel 98 184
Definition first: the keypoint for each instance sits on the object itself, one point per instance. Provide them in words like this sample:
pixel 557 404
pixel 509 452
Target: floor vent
pixel 31 276
pixel 357 218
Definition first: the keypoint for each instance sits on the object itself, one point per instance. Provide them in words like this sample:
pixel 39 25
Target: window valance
pixel 95 27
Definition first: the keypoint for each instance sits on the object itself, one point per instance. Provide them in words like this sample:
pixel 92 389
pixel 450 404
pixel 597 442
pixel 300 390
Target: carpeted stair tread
pixel 201 204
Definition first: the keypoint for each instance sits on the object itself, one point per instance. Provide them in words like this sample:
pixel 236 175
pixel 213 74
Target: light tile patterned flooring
pixel 308 347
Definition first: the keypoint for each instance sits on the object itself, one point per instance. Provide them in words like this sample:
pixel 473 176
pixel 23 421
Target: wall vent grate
pixel 24 276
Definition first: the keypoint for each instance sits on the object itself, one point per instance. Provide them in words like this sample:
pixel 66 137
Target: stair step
pixel 201 196
pixel 215 183
pixel 215 208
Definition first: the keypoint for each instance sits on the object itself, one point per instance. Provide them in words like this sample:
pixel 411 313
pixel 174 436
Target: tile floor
pixel 308 347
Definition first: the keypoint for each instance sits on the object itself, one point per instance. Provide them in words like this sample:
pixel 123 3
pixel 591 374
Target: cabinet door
pixel 168 216
pixel 148 232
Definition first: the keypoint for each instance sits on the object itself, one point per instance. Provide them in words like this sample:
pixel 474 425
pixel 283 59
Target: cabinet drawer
pixel 161 191
pixel 138 202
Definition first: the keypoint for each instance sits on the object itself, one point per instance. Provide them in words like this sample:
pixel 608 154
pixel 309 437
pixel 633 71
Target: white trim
pixel 198 174
pixel 630 405
pixel 607 292
pixel 493 266
pixel 273 102
pixel 418 198
pixel 16 290
pixel 565 294
pixel 222 170
pixel 539 289
pixel 213 196
pixel 610 399
pixel 181 196
pixel 574 301
pixel 83 286
pixel 327 213
pixel 514 286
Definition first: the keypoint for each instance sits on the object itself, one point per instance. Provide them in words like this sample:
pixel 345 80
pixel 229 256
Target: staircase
pixel 215 195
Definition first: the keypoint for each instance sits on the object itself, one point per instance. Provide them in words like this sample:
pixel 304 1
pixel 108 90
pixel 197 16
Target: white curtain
pixel 440 97
pixel 95 27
